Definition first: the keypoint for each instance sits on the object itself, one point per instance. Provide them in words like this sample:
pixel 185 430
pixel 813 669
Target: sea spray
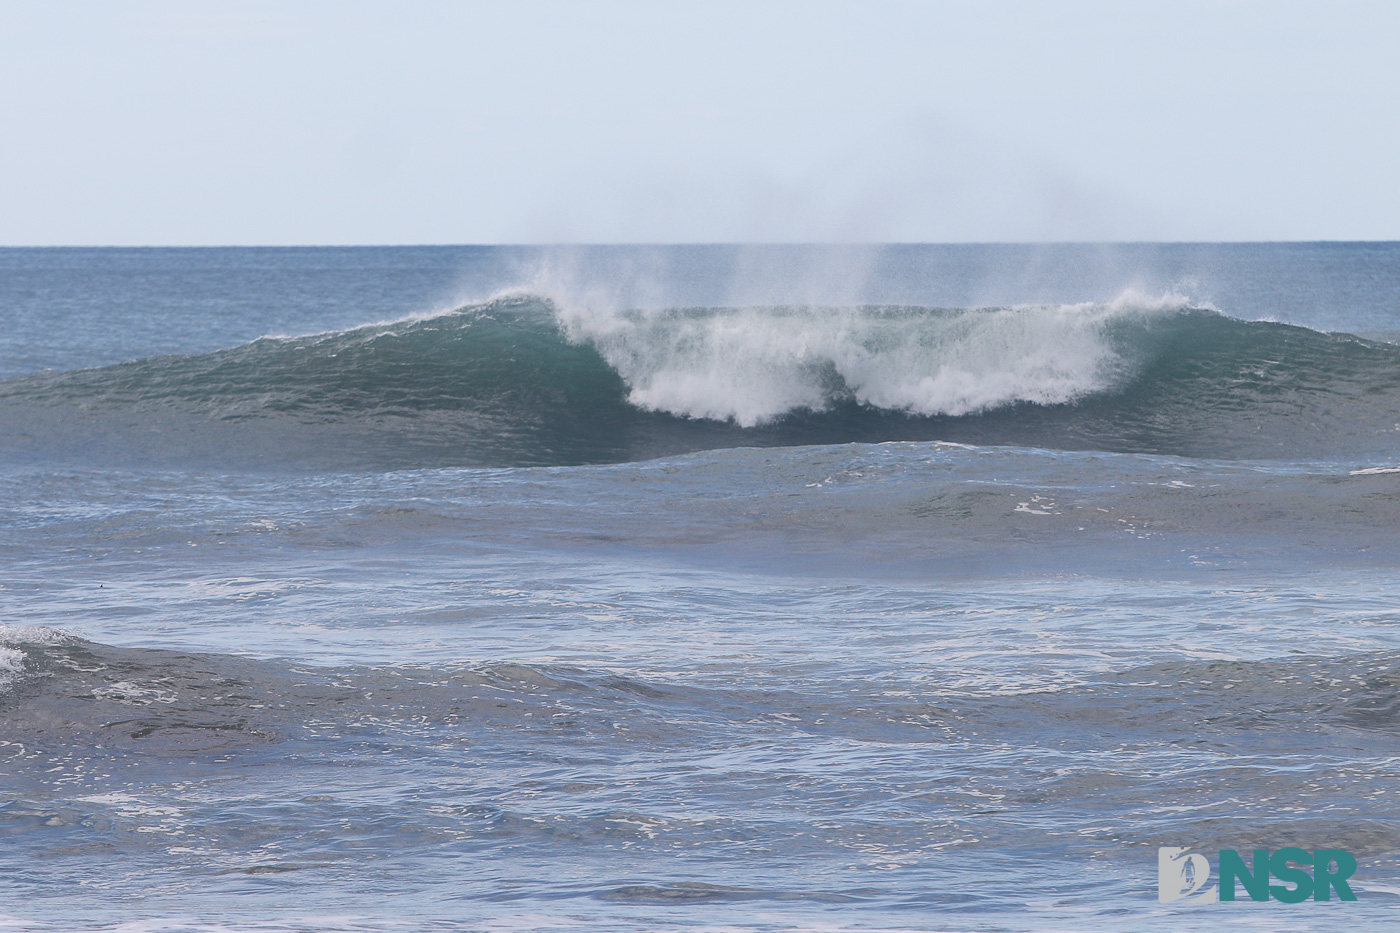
pixel 754 365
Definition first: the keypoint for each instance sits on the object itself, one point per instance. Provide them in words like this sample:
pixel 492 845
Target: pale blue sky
pixel 338 122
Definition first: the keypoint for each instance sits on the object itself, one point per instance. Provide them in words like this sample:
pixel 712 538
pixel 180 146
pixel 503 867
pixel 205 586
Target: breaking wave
pixel 755 365
pixel 520 380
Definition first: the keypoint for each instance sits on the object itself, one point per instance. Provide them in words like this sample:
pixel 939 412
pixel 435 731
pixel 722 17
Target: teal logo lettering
pixel 1290 875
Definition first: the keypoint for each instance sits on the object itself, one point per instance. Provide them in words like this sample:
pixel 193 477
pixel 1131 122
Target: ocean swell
pixel 520 380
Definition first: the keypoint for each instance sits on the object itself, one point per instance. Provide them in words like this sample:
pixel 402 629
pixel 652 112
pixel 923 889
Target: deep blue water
pixel 713 588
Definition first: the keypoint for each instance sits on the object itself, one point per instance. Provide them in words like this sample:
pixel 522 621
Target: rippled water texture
pixel 912 588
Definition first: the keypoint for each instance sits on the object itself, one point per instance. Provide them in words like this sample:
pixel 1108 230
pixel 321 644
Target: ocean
pixel 707 588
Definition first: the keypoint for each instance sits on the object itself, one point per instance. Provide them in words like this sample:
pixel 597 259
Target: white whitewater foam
pixel 11 658
pixel 11 663
pixel 751 365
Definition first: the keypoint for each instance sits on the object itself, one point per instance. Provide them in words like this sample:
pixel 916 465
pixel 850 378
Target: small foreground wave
pixel 223 777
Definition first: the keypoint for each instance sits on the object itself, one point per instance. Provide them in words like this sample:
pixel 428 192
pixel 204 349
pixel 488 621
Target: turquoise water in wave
pixel 905 588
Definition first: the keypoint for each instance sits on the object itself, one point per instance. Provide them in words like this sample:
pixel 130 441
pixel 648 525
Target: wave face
pixel 522 381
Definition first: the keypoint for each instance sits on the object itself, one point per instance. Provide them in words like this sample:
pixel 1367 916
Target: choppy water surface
pixel 911 589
